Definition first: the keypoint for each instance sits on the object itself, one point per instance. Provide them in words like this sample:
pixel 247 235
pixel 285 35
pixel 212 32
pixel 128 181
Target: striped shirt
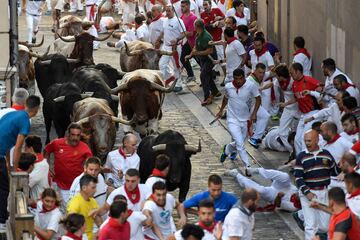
pixel 313 170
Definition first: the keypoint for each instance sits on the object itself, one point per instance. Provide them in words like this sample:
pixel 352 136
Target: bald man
pixel 313 170
pixel 122 159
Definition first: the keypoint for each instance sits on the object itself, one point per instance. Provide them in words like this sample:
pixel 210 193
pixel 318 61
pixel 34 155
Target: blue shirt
pixel 223 204
pixel 11 125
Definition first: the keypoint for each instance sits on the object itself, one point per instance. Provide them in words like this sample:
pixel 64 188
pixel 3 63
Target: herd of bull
pixel 74 89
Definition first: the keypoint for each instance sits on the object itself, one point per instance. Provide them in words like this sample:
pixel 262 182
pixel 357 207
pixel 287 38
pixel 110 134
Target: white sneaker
pixel 231 172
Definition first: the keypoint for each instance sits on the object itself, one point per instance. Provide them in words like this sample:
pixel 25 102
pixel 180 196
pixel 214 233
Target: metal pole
pixel 14 38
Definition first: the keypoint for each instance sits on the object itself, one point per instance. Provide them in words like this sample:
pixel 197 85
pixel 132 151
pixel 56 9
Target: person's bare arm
pixel 339 236
pixel 234 238
pixel 223 105
pixel 98 220
pixel 44 234
pixel 17 150
pixel 181 211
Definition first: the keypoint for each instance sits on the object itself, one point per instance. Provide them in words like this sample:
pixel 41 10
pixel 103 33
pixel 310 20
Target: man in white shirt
pixel 173 32
pixel 301 55
pixel 18 99
pixel 33 9
pixel 158 210
pixel 156 27
pixel 330 72
pixel 341 83
pixel 161 170
pixel 240 12
pixel 39 178
pixel 240 221
pixel 352 182
pixel 91 12
pixel 348 164
pixel 336 144
pixel 238 96
pixel 76 6
pixel 351 131
pixel 92 167
pixel 122 159
pixel 135 193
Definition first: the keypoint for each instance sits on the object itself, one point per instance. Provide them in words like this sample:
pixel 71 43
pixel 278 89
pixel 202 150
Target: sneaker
pixel 207 101
pixel 231 172
pixel 190 79
pixel 233 156
pixel 110 44
pixel 178 88
pixel 223 155
pixel 275 118
pixel 224 115
pixel 253 142
pixel 47 13
pixel 298 221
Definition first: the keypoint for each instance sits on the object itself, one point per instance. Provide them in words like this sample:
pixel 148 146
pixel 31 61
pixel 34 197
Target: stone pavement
pixel 177 116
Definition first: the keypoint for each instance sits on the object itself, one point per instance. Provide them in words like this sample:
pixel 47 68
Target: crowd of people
pixel 76 197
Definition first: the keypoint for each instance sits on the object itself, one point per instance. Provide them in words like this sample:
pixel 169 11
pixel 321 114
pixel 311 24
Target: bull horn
pixel 159 147
pixel 123 121
pixel 193 149
pixel 86 95
pixel 72 60
pixel 103 38
pixel 41 56
pixel 86 24
pixel 162 52
pixel 163 89
pixel 30 45
pixel 115 97
pixel 133 53
pixel 66 40
pixel 119 88
pixel 82 121
pixel 45 62
pixel 120 74
pixel 59 99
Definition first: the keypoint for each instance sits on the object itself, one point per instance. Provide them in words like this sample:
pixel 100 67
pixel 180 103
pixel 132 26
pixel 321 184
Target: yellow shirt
pixel 79 205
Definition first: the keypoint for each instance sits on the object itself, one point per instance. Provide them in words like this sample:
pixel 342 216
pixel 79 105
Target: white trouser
pixel 220 52
pixel 262 119
pixel 76 5
pixel 270 106
pixel 57 4
pixel 167 64
pixel 301 129
pixel 32 23
pixel 92 30
pixel 48 5
pixel 128 12
pixel 287 119
pixel 64 195
pixel 314 219
pixel 238 132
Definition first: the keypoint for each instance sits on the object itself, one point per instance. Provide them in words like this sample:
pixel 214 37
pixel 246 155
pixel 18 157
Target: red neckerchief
pixel 236 85
pixel 222 2
pixel 230 40
pixel 122 152
pixel 152 2
pixel 44 210
pixel 157 173
pixel 158 16
pixel 153 199
pixel 284 84
pixel 272 89
pixel 337 136
pixel 129 212
pixel 207 228
pixel 295 201
pixel 241 15
pixel 356 131
pixel 39 157
pixel 354 194
pixel 113 222
pixel 347 85
pixel 133 196
pixel 18 107
pixel 261 52
pixel 303 51
pixel 73 236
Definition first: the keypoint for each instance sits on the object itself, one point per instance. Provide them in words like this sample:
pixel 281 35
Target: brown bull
pixel 98 123
pixel 72 25
pixel 140 55
pixel 142 93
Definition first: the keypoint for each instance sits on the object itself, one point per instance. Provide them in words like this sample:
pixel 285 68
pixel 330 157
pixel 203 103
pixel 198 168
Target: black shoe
pixel 298 221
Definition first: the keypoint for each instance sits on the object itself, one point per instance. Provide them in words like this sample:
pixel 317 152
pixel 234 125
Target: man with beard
pixel 239 223
pixel 69 156
pixel 158 210
pixel 347 164
pixel 351 130
pixel 206 214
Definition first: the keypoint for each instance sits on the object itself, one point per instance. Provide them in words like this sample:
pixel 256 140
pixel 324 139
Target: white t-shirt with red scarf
pixel 208 231
pixel 117 160
pixel 234 55
pixel 303 57
pixel 263 56
pixel 353 201
pixel 48 219
pixel 337 147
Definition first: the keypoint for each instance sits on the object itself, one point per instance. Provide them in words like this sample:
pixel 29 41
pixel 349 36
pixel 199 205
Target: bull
pixel 174 145
pixel 140 55
pixel 98 123
pixel 111 73
pixel 58 105
pixel 141 95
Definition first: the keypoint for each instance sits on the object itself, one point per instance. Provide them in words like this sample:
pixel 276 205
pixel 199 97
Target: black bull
pixel 174 145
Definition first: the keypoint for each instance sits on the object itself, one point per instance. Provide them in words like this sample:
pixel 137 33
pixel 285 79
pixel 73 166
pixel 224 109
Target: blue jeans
pixel 4 190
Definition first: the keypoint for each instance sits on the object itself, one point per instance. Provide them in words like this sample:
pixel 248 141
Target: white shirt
pixel 207 235
pixel 101 189
pixel 231 12
pixel 238 224
pixel 332 113
pixel 155 29
pixel 338 148
pixel 38 179
pixel 288 95
pixel 329 85
pixel 353 138
pixel 33 7
pixel 193 8
pixel 266 59
pixel 161 217
pixel 233 52
pixel 142 33
pixel 144 195
pixel 200 5
pixel 271 140
pixel 5 111
pixel 305 63
pixel 116 162
pixel 239 104
pixel 354 92
pixel 354 204
pixel 172 30
pixel 151 180
pixel 49 220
